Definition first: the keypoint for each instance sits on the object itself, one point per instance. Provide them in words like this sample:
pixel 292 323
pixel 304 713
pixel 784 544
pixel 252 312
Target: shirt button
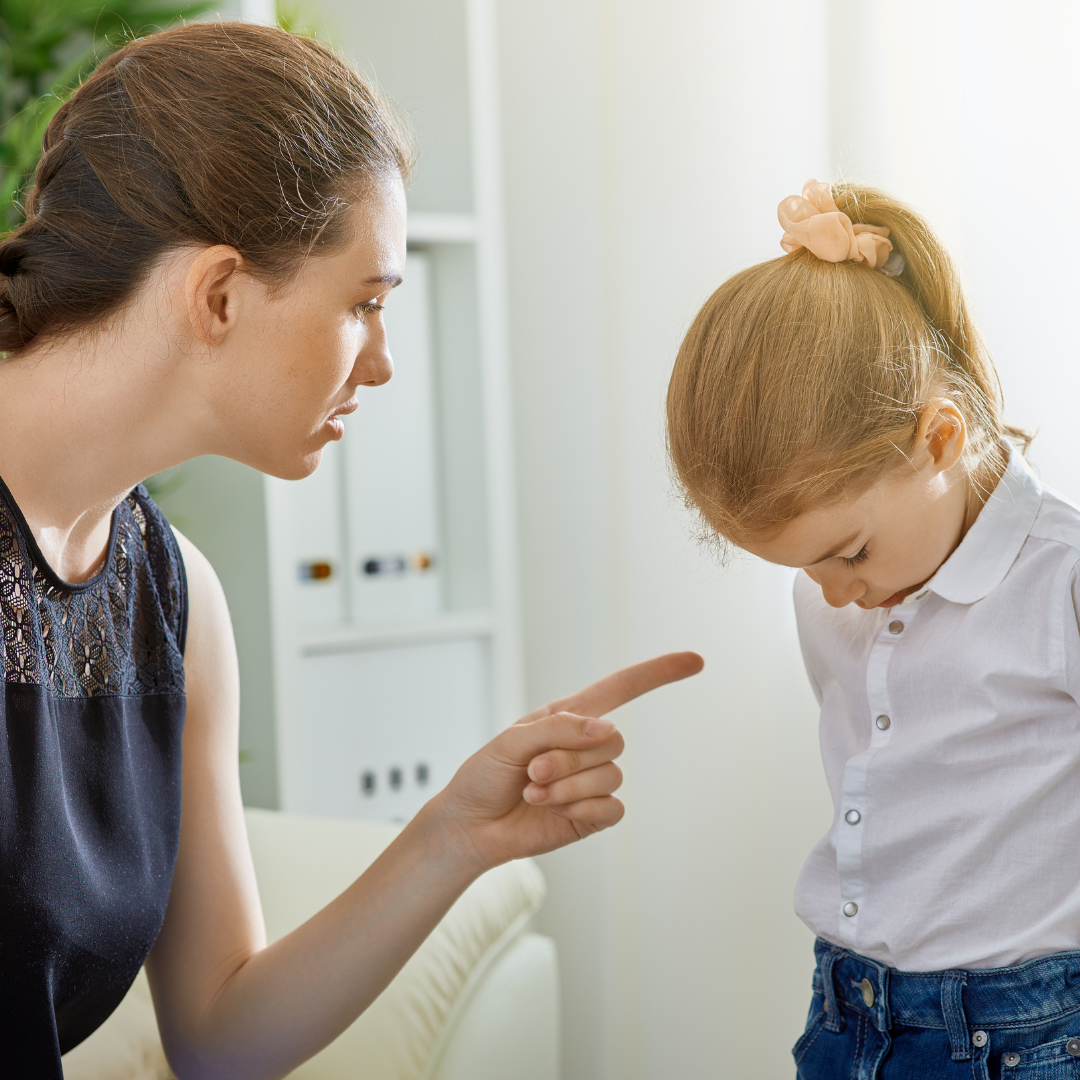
pixel 851 908
pixel 978 1038
pixel 896 627
pixel 867 988
pixel 853 817
pixel 1011 1058
pixel 883 723
pixel 1072 1048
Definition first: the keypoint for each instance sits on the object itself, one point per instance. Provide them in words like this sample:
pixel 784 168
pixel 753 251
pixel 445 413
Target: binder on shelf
pixel 391 492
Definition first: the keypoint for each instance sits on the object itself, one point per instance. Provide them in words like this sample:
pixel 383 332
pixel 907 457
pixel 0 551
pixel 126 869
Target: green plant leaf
pixel 47 47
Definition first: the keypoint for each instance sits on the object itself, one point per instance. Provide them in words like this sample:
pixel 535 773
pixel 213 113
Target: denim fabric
pixel 1011 1023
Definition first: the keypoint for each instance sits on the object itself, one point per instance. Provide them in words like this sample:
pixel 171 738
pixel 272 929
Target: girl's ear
pixel 943 434
pixel 212 292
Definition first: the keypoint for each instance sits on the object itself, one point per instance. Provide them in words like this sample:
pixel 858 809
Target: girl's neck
pixel 981 486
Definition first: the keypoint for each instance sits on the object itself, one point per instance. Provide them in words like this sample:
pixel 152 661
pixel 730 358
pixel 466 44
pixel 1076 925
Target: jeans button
pixel 978 1038
pixel 1011 1058
pixel 1072 1048
pixel 867 988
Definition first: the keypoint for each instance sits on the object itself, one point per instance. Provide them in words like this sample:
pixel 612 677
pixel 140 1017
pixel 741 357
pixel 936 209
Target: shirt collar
pixel 991 545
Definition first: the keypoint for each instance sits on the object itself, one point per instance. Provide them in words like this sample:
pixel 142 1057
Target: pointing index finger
pixel 625 685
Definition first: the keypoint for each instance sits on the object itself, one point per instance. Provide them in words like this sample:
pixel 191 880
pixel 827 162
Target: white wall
pixel 647 147
pixel 967 109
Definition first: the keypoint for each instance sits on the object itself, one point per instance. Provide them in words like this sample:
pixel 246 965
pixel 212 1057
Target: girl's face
pixel 289 366
pixel 876 549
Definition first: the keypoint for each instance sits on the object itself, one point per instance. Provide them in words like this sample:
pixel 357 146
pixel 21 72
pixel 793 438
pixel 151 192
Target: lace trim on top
pixel 120 633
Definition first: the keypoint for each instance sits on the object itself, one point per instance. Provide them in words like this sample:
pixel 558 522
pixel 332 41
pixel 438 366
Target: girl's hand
pixel 549 779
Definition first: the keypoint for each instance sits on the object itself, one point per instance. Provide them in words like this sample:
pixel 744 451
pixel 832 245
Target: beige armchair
pixel 478 1001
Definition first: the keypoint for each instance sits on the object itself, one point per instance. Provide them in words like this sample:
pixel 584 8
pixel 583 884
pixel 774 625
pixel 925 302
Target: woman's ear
pixel 943 434
pixel 212 291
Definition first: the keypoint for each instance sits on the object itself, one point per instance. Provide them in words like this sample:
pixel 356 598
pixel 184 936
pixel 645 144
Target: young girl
pixel 216 221
pixel 835 410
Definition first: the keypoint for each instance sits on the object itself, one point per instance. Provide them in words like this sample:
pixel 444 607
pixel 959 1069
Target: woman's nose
pixel 374 365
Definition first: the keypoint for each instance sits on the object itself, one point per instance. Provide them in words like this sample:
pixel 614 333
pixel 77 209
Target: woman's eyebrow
pixel 393 280
pixel 837 549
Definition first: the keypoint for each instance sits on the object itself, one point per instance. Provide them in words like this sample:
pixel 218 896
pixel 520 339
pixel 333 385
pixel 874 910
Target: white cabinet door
pixel 384 729
pixel 390 470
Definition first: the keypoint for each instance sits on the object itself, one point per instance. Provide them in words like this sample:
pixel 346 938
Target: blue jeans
pixel 870 1022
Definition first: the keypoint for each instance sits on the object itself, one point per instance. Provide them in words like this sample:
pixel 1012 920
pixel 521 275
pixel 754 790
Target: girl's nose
pixel 840 590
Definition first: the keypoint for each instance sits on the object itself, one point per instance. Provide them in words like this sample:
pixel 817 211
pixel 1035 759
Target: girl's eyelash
pixel 366 309
pixel 857 558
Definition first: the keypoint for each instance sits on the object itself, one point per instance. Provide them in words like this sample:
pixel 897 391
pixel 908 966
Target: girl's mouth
pixel 894 599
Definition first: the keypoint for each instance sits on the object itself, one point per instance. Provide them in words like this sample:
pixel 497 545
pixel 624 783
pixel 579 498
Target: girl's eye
pixel 859 557
pixel 367 309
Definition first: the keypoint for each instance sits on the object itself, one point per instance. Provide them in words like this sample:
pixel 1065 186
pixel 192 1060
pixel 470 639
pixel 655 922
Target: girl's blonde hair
pixel 801 381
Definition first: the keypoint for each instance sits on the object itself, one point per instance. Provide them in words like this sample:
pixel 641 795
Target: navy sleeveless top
pixel 92 714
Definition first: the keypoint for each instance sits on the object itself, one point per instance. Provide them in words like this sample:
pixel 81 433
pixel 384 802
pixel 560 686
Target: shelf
pixel 427 228
pixel 338 639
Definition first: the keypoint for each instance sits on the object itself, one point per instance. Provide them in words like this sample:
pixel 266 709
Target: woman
pixel 216 220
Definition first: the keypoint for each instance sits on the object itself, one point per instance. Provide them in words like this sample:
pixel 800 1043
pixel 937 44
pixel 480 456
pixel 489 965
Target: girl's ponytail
pixel 802 379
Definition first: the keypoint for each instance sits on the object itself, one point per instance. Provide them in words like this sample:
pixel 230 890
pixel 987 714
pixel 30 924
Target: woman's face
pixel 288 369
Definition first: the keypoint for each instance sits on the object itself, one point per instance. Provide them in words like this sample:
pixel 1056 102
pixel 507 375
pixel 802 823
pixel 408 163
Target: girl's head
pixel 260 145
pixel 820 405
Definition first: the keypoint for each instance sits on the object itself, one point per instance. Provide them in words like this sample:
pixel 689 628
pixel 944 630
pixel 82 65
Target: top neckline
pixel 990 547
pixel 43 565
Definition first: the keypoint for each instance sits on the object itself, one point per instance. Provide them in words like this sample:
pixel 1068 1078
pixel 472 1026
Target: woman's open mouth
pixel 335 423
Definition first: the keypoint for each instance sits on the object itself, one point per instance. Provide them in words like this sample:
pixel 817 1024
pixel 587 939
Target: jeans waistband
pixel 958 1001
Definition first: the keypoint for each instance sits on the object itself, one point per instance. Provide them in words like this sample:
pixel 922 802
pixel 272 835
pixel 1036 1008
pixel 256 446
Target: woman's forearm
pixel 284 1003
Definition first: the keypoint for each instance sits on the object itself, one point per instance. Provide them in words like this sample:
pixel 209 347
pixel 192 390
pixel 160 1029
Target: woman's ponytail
pixel 235 134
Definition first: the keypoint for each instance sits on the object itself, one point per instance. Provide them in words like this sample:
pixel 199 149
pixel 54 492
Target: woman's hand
pixel 550 779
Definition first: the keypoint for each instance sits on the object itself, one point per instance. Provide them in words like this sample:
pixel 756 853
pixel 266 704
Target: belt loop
pixel 883 1009
pixel 952 1005
pixel 833 1020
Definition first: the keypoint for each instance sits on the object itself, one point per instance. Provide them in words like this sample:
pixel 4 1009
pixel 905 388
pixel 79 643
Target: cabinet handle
pixel 379 565
pixel 320 570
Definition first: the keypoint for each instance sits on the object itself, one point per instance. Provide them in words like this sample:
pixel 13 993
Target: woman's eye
pixel 859 557
pixel 367 309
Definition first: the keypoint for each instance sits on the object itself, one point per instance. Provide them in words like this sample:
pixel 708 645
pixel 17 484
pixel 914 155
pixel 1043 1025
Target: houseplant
pixel 46 48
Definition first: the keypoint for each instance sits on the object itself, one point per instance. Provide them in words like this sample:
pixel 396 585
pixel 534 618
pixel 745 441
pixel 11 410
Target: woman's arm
pixel 230 1007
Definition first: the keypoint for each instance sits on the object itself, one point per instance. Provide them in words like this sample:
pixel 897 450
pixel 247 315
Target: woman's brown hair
pixel 801 381
pixel 214 133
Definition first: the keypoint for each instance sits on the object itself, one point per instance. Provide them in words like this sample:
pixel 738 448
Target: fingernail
pixel 598 729
pixel 542 771
pixel 535 795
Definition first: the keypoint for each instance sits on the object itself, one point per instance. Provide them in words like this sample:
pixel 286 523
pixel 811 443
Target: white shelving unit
pixel 376 603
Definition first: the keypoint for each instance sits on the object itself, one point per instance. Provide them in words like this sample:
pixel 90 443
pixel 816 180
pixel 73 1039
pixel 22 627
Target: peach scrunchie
pixel 814 221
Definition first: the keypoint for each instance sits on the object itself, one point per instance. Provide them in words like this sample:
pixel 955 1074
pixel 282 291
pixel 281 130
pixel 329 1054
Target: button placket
pixel 855 806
